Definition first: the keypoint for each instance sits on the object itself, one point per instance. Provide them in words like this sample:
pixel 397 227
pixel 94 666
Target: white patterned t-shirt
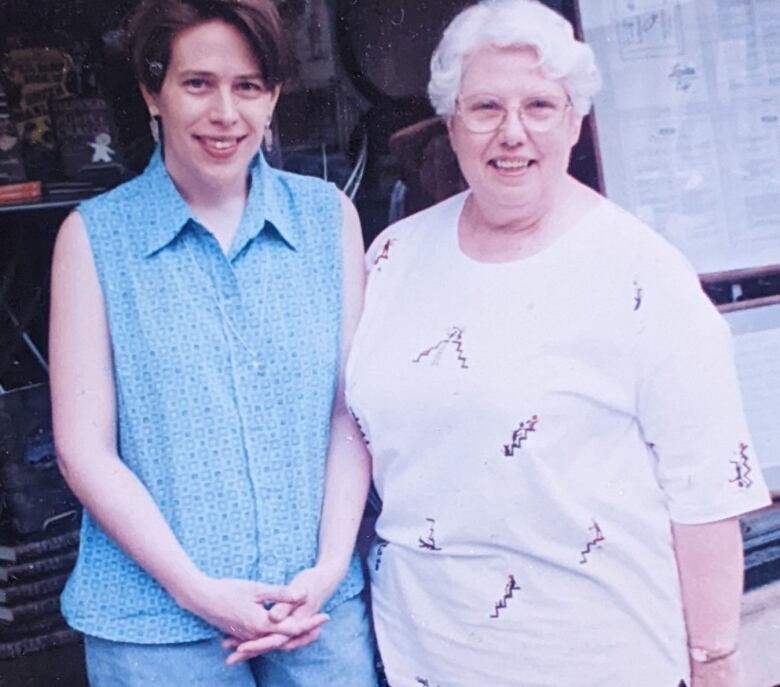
pixel 535 425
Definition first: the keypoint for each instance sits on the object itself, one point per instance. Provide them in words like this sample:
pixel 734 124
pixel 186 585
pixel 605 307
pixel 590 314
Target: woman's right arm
pixel 85 433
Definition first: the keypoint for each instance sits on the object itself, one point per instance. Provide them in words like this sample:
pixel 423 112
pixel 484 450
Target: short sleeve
pixel 688 398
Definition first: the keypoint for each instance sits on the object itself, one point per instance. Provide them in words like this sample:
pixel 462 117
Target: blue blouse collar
pixel 268 202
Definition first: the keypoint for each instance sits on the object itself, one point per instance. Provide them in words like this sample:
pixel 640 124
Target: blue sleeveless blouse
pixel 225 369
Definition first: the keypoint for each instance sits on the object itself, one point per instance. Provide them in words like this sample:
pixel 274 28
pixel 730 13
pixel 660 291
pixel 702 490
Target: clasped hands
pixel 257 617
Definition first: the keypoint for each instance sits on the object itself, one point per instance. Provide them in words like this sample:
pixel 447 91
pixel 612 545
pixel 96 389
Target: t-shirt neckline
pixel 542 256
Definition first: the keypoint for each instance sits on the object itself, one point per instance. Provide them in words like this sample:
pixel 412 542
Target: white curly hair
pixel 507 23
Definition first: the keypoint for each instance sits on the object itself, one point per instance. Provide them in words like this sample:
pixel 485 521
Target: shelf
pixel 49 203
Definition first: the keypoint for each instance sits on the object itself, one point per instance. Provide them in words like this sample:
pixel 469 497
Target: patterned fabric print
pixel 383 255
pixel 637 296
pixel 380 548
pixel 595 542
pixel 429 543
pixel 454 337
pixel 232 452
pixel 520 435
pixel 359 426
pixel 509 590
pixel 742 468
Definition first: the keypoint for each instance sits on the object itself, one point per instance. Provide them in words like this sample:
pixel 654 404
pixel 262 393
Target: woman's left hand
pixel 316 585
pixel 724 673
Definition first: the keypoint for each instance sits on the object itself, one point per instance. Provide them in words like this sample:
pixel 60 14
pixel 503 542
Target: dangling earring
pixel 154 123
pixel 268 137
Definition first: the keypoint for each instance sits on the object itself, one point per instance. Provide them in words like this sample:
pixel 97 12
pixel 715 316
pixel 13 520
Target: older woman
pixel 551 405
pixel 199 315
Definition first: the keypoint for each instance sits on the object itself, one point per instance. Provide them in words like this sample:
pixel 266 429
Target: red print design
pixel 429 542
pixel 383 255
pixel 454 337
pixel 520 435
pixel 742 468
pixel 593 543
pixel 511 586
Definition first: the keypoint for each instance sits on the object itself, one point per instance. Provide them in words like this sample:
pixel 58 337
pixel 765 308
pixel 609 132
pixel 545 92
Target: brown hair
pixel 155 23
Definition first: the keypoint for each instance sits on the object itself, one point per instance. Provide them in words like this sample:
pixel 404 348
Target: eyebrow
pixel 206 74
pixel 534 94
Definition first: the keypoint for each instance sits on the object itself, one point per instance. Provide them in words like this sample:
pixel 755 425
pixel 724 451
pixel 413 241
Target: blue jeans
pixel 343 655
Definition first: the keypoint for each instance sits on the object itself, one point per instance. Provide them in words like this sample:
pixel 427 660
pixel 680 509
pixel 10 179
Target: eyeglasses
pixel 483 114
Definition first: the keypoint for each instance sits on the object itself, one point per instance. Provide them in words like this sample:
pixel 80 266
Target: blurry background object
pixel 41 73
pixel 429 169
pixel 11 165
pixel 87 139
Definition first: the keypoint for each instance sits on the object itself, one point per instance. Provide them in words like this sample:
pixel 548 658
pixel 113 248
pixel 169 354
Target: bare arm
pixel 348 473
pixel 84 417
pixel 710 563
pixel 348 469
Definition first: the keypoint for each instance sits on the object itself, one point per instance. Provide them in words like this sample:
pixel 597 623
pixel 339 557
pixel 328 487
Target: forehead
pixel 507 70
pixel 213 46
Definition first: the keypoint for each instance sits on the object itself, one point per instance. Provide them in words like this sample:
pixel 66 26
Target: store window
pixel 72 122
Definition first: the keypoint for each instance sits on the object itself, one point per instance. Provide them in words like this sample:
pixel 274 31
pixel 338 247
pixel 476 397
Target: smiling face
pixel 214 107
pixel 514 174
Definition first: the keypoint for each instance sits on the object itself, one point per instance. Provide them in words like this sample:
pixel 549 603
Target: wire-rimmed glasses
pixel 483 114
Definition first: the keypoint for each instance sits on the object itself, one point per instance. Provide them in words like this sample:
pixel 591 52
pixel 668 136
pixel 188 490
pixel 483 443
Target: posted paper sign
pixel 757 346
pixel 689 122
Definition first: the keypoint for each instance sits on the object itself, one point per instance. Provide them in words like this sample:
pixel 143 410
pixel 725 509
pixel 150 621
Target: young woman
pixel 200 315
